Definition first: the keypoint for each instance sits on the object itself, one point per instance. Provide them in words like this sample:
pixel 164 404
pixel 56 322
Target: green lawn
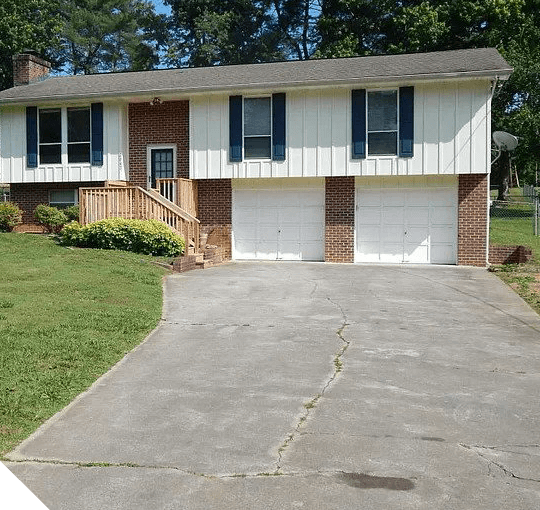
pixel 512 225
pixel 66 316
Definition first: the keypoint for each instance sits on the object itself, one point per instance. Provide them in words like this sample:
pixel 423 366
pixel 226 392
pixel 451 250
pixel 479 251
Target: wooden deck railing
pixel 182 192
pixel 134 202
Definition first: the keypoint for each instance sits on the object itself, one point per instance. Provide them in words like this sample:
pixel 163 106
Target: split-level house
pixel 369 159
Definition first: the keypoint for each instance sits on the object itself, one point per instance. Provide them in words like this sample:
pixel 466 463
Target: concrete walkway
pixel 284 386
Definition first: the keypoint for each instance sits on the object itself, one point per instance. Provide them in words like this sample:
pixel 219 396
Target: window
pixel 50 136
pixel 382 122
pixel 63 198
pixel 78 122
pixel 57 136
pixel 257 128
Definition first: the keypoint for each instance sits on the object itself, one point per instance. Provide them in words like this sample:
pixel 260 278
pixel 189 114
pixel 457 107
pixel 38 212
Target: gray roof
pixel 483 62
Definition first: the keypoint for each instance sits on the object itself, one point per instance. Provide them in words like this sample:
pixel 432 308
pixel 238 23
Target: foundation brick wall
pixel 29 69
pixel 215 213
pixel 165 123
pixel 473 220
pixel 339 219
pixel 28 196
pixel 509 254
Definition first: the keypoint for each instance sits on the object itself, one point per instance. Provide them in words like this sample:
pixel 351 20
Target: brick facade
pixel 339 219
pixel 165 123
pixel 29 69
pixel 29 196
pixel 473 220
pixel 215 213
pixel 509 254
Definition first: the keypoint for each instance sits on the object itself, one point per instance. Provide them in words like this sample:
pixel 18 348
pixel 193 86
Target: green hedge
pixel 151 237
pixel 10 216
pixel 51 218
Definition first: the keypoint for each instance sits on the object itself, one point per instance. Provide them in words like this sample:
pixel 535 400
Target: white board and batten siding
pixel 13 151
pixel 451 135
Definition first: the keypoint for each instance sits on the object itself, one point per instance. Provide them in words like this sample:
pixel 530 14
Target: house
pixel 367 159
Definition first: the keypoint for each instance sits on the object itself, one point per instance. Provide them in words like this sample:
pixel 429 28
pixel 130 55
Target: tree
pixel 209 32
pixel 110 35
pixel 29 25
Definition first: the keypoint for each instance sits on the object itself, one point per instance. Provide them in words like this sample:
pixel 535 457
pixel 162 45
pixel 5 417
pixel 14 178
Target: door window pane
pixel 162 165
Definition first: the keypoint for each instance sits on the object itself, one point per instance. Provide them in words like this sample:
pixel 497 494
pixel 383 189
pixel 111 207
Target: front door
pixel 162 165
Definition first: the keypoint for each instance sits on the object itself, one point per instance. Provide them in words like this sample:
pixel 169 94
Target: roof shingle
pixel 444 64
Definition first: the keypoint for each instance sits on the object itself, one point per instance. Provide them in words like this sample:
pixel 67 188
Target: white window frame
pixel 262 96
pixel 149 149
pixel 395 154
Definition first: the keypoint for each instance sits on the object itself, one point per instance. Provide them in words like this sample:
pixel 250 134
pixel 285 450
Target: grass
pixel 66 316
pixel 512 226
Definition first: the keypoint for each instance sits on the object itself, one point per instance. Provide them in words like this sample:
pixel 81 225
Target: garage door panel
pixel 278 223
pixel 392 216
pixel 417 216
pixel 416 254
pixel 443 216
pixel 369 216
pixel 411 225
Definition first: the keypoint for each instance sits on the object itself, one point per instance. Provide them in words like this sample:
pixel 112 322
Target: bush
pixel 10 216
pixel 72 212
pixel 51 218
pixel 151 237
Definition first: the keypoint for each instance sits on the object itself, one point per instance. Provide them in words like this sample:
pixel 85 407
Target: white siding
pixel 451 124
pixel 13 151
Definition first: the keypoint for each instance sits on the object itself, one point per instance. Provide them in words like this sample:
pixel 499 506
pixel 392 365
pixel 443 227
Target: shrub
pixel 51 218
pixel 72 212
pixel 151 237
pixel 10 216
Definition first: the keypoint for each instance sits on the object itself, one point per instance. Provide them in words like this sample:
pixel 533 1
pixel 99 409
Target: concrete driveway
pixel 285 386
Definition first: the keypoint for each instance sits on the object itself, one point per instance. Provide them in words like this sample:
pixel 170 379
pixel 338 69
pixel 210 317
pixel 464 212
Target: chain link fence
pixel 523 211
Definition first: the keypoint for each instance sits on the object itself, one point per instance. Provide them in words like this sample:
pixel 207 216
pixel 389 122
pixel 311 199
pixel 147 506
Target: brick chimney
pixel 28 68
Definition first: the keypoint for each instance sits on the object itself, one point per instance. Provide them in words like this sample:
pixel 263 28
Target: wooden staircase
pixel 119 199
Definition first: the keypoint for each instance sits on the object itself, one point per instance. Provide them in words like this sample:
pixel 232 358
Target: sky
pixel 160 8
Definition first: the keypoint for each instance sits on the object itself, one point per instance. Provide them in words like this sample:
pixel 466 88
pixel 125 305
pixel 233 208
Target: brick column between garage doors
pixel 473 220
pixel 339 219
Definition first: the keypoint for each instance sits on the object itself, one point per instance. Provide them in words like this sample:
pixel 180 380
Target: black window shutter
pixel 97 134
pixel 31 137
pixel 235 128
pixel 278 127
pixel 406 122
pixel 358 124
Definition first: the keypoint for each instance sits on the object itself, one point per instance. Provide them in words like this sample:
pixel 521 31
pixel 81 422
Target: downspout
pixel 488 215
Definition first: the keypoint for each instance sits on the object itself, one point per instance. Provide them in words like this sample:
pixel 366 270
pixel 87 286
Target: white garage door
pixel 278 223
pixel 406 225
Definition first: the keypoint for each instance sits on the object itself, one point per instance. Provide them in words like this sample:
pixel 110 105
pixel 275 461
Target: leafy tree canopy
pixel 110 35
pixel 29 25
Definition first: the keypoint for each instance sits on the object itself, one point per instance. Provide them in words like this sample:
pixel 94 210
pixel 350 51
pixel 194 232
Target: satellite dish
pixel 505 141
